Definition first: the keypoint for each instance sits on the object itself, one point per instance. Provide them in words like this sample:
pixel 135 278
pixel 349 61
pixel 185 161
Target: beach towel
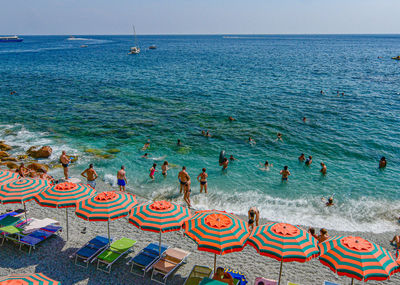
pixel 36 224
pixel 237 275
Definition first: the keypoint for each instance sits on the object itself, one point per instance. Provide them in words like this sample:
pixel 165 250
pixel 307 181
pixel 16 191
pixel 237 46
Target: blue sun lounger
pixel 90 250
pixel 36 237
pixel 146 258
pixel 330 283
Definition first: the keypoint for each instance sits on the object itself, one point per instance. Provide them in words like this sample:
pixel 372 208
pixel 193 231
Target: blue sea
pixel 101 98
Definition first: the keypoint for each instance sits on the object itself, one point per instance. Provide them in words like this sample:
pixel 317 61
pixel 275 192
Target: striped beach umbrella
pixel 284 242
pixel 28 279
pixel 217 232
pixel 8 176
pixel 357 258
pixel 106 206
pixel 159 217
pixel 64 195
pixel 22 190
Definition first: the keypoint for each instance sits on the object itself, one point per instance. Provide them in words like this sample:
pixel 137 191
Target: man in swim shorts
pixel 202 178
pixel 302 157
pixel 65 160
pixel 308 161
pixel 183 177
pixel 285 173
pixel 91 176
pixel 323 168
pixel 382 162
pixel 121 177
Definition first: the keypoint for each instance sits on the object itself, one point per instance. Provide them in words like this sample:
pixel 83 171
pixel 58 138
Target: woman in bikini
pixel 202 178
pixel 164 168
pixel 153 170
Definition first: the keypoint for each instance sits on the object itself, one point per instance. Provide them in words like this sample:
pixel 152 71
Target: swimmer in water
pixel 203 133
pixel 328 202
pixel 146 155
pixel 302 157
pixel 285 173
pixel 231 158
pixel 202 178
pixel 308 161
pixel 279 137
pixel 208 134
pixel 323 168
pixel 225 164
pixel 179 143
pixel 146 145
pixel 382 162
pixel 251 141
pixel 164 169
pixel 266 166
pixel 231 119
pixel 322 92
pixel 13 92
pixel 153 171
pixel 304 119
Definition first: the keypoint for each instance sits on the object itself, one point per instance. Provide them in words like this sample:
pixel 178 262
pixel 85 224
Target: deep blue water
pixel 100 97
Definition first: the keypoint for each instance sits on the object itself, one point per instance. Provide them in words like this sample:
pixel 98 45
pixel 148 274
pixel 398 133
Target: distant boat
pixel 10 39
pixel 152 47
pixel 83 46
pixel 396 58
pixel 135 49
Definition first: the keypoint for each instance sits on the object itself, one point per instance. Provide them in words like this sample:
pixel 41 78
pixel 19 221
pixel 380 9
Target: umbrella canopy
pixel 8 176
pixel 357 258
pixel 106 206
pixel 22 190
pixel 217 232
pixel 64 195
pixel 28 279
pixel 159 216
pixel 284 242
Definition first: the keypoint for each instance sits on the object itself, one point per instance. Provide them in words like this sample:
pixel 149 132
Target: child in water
pixel 329 202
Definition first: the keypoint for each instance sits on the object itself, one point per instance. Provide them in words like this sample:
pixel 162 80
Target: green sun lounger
pixel 10 233
pixel 112 253
pixel 197 274
pixel 9 221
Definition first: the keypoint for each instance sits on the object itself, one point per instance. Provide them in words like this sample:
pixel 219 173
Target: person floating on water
pixel 202 178
pixel 91 176
pixel 146 145
pixel 164 168
pixel 179 143
pixel 382 162
pixel 254 217
pixel 308 161
pixel 302 157
pixel 252 141
pixel 65 160
pixel 183 178
pixel 153 170
pixel 266 165
pixel 121 178
pixel 285 173
pixel 232 158
pixel 231 119
pixel 146 155
pixel 323 168
pixel 279 137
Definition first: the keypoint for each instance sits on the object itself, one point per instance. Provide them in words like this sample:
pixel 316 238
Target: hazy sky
pixel 74 17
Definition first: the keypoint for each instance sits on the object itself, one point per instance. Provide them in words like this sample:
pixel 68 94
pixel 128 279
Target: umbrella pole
pixel 215 262
pixel 280 273
pixel 352 281
pixel 159 248
pixel 108 227
pixel 66 213
pixel 26 217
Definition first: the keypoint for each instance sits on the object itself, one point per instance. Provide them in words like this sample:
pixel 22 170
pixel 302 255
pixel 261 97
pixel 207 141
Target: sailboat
pixel 135 49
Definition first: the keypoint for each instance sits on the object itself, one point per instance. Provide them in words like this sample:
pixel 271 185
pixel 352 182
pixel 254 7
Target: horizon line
pixel 228 34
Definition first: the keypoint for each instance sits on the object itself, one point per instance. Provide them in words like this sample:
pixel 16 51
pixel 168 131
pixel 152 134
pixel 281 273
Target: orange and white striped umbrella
pixel 28 279
pixel 357 258
pixel 8 176
pixel 22 190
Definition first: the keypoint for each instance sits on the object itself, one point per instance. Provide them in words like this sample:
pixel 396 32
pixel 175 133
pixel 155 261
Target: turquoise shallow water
pixel 100 97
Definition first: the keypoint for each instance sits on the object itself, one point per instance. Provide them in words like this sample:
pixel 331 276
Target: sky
pixel 100 17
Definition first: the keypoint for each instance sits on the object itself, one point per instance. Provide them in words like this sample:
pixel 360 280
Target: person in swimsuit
pixel 323 236
pixel 397 240
pixel 302 157
pixel 186 193
pixel 164 168
pixel 231 119
pixel 183 177
pixel 203 133
pixel 22 170
pixel 121 176
pixel 208 134
pixel 308 161
pixel 179 143
pixel 91 176
pixel 285 173
pixel 312 232
pixel 266 166
pixel 65 160
pixel 202 178
pixel 224 277
pixel 323 168
pixel 153 170
pixel 231 158
pixel 251 141
pixel 304 119
pixel 254 217
pixel 279 137
pixel 146 145
pixel 382 162
pixel 225 164
pixel 146 155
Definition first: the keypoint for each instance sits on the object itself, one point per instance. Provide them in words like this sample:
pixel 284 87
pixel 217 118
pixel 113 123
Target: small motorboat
pixel 83 46
pixel 396 58
pixel 152 47
pixel 134 50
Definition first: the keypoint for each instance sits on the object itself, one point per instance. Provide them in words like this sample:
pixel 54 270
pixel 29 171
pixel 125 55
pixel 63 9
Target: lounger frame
pixel 166 275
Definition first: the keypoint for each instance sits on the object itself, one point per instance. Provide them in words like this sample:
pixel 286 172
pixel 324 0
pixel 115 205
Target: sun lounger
pixel 197 274
pixel 9 221
pixel 168 263
pixel 142 262
pixel 209 281
pixel 113 252
pixel 291 283
pixel 35 238
pixel 36 224
pixel 90 250
pixel 16 213
pixel 330 283
pixel 264 281
pixel 11 233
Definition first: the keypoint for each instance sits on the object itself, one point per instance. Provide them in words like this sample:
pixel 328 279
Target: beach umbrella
pixel 217 232
pixel 28 279
pixel 22 190
pixel 64 195
pixel 159 217
pixel 106 206
pixel 8 176
pixel 284 242
pixel 357 258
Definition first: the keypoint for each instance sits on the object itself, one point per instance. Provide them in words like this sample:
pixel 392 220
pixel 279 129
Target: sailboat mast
pixel 134 32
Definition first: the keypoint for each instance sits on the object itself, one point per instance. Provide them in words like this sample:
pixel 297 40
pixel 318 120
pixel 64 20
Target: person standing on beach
pixel 186 193
pixel 323 168
pixel 285 173
pixel 164 168
pixel 65 160
pixel 308 161
pixel 202 178
pixel 254 217
pixel 121 177
pixel 382 162
pixel 302 157
pixel 153 171
pixel 184 178
pixel 91 176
